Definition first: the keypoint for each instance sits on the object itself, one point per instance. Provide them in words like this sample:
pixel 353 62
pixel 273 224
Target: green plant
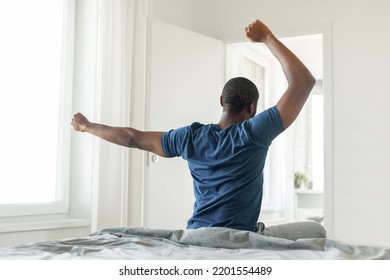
pixel 300 179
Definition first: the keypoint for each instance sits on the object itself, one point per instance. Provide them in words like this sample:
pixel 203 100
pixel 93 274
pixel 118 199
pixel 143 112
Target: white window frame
pixel 59 207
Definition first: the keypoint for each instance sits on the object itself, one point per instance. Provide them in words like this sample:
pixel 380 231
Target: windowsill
pixel 43 225
pixel 307 191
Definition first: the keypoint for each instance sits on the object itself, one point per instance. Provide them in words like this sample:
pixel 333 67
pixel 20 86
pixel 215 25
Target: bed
pixel 122 243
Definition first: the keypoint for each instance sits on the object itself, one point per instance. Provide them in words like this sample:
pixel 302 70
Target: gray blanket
pixel 204 243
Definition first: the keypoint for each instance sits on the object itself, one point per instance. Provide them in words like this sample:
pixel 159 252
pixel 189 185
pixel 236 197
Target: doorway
pixel 294 172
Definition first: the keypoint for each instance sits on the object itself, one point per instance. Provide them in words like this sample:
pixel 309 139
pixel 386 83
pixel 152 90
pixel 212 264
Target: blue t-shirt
pixel 226 167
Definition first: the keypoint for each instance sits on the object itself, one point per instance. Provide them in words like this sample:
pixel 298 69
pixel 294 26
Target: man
pixel 226 160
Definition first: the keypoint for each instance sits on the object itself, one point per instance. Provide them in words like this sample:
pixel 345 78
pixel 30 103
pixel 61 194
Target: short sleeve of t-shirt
pixel 173 141
pixel 266 126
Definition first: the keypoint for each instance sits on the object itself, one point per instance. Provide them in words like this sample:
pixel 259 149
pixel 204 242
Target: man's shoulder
pixel 268 115
pixel 196 125
pixel 271 110
pixel 184 131
pixel 265 126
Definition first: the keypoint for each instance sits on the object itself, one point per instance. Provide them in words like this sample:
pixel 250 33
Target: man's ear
pixel 221 101
pixel 252 109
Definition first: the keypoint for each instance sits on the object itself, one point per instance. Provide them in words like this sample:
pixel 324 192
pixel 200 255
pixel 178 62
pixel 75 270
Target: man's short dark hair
pixel 238 93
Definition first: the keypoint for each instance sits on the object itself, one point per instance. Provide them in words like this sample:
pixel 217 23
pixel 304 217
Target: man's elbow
pixel 307 84
pixel 309 81
pixel 304 85
pixel 130 137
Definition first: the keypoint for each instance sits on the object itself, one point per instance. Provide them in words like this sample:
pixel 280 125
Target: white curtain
pixel 120 94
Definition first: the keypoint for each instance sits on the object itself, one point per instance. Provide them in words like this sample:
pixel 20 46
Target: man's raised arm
pixel 125 136
pixel 300 80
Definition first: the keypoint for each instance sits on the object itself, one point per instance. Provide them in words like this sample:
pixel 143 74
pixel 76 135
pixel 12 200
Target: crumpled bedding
pixel 122 243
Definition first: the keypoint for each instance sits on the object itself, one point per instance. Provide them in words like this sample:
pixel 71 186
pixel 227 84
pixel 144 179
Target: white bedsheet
pixel 205 243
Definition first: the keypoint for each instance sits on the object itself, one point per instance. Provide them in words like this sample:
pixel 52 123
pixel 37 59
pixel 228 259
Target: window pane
pixel 30 56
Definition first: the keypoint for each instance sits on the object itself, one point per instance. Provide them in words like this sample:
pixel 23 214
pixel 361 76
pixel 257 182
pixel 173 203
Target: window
pixel 299 150
pixel 36 70
pixel 308 134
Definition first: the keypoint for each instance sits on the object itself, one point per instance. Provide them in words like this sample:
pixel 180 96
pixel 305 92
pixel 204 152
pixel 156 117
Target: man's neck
pixel 229 118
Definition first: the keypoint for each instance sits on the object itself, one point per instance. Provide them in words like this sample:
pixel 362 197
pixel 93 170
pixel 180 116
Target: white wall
pixel 361 130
